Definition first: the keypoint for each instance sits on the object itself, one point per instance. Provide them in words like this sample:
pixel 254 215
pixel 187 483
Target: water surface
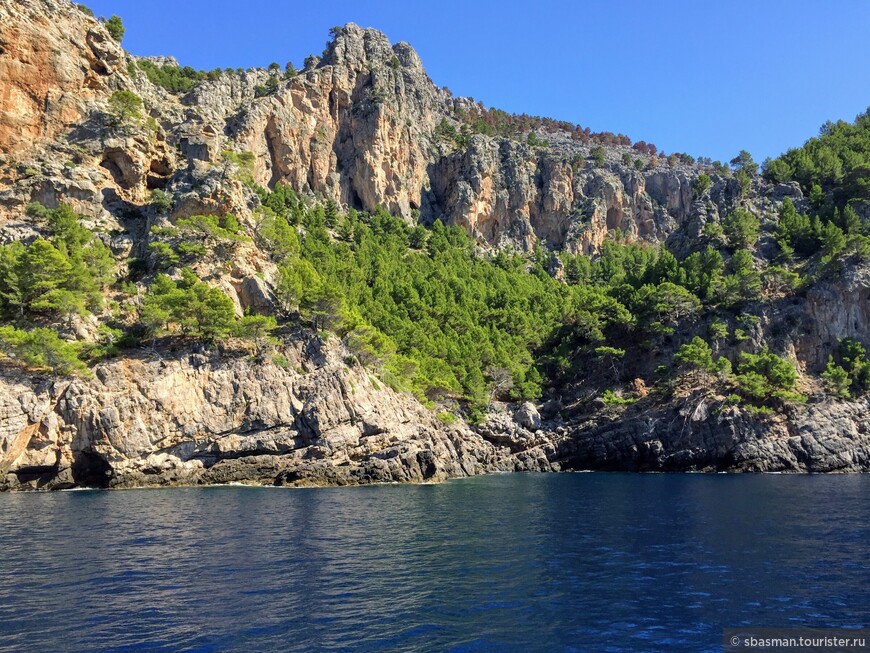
pixel 518 562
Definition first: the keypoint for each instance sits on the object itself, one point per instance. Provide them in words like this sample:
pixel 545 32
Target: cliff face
pixel 358 126
pixel 355 128
pixel 363 126
pixel 506 193
pixel 201 418
pixel 837 308
pixel 54 61
pixel 701 433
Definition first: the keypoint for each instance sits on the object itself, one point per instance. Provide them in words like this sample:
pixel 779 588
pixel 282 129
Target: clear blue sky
pixel 707 78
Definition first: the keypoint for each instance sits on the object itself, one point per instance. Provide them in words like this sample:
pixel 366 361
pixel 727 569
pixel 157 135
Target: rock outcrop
pixel 54 61
pixel 835 308
pixel 354 128
pixel 703 434
pixel 197 419
pixel 358 126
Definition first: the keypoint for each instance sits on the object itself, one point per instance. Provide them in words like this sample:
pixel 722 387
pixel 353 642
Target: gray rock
pixel 528 416
pixel 829 437
pixel 198 419
pixel 255 295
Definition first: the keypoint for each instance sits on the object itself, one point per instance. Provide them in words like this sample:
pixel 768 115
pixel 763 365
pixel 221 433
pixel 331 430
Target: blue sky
pixel 707 78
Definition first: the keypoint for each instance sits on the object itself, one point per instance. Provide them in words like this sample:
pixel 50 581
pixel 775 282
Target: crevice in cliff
pixel 272 136
pixel 355 200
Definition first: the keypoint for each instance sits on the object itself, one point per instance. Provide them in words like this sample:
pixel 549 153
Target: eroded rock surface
pixel 702 434
pixel 359 126
pixel 200 419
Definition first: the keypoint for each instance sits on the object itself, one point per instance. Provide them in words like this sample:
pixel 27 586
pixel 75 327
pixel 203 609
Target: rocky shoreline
pixel 197 419
pixel 213 418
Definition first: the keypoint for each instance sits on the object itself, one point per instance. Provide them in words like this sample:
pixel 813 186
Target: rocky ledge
pixel 207 418
pixel 703 433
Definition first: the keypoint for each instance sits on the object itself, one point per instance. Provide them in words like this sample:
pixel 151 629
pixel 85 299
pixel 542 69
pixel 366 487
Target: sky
pixel 705 78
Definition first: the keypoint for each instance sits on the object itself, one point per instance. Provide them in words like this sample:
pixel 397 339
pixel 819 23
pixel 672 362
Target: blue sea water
pixel 516 562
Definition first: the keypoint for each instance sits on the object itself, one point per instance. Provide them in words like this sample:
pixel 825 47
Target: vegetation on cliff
pixel 175 79
pixel 837 161
pixel 433 314
pixel 427 310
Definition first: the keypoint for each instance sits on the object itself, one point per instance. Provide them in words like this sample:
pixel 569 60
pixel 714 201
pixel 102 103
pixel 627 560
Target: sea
pixel 506 562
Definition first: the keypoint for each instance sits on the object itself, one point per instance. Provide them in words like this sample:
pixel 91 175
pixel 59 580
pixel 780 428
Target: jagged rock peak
pixel 359 49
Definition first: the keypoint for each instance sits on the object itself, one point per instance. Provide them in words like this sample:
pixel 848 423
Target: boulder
pixel 528 416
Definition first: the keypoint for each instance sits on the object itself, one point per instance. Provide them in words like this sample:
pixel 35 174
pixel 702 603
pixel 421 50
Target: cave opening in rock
pixel 114 169
pixel 160 167
pixel 355 200
pixel 153 181
pixel 90 470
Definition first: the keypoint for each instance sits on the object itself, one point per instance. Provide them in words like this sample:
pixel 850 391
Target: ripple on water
pixel 606 562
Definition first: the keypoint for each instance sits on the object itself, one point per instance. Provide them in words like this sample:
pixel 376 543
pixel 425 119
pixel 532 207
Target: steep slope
pixel 176 187
pixel 54 64
pixel 359 126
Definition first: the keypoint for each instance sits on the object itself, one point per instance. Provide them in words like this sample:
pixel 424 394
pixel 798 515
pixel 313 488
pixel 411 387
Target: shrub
pixel 191 305
pixel 701 185
pixel 41 349
pixel 612 399
pixel 125 107
pixel 280 361
pixel 532 140
pixel 741 229
pixel 776 170
pixel 244 164
pixel 765 375
pixel 115 27
pixel 160 201
pixel 62 276
pixel 848 370
pixel 446 418
pixel 257 330
pixel 695 355
pixel 597 154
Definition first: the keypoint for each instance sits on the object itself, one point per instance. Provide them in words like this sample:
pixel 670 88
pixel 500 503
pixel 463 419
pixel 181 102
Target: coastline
pixel 195 419
pixel 314 484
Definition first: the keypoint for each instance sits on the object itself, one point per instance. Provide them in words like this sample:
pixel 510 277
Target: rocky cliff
pixel 358 126
pixel 363 126
pixel 212 418
pixel 702 433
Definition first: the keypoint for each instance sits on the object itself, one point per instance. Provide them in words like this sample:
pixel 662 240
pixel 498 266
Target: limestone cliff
pixel 54 62
pixel 358 126
pixel 364 126
pixel 198 418
pixel 700 432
